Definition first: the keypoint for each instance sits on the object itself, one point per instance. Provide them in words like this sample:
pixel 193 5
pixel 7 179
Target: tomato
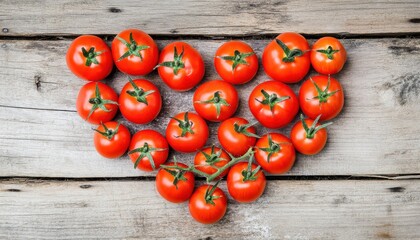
pixel 216 100
pixel 237 135
pixel 245 184
pixel 187 132
pixel 287 58
pixel 111 139
pixel 175 185
pixel 182 71
pixel 321 95
pixel 211 158
pixel 275 153
pixel 134 52
pixel 89 58
pixel 236 62
pixel 97 102
pixel 328 55
pixel 148 150
pixel 208 204
pixel 140 101
pixel 308 136
pixel 273 104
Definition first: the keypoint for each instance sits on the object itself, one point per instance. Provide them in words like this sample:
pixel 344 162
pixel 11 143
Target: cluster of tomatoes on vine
pixel 286 59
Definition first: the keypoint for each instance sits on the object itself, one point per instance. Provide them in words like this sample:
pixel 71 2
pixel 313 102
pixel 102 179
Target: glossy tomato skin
pixel 190 142
pixel 287 72
pixel 154 140
pixel 242 73
pixel 233 142
pixel 202 165
pixel 204 212
pixel 117 145
pixel 245 191
pixel 313 107
pixel 134 65
pixel 281 160
pixel 137 111
pixel 188 76
pixel 321 62
pixel 305 145
pixel 207 91
pixel 77 61
pixel 282 112
pixel 83 105
pixel 175 194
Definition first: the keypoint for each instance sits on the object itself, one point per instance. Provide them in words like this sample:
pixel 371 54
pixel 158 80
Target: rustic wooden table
pixel 364 185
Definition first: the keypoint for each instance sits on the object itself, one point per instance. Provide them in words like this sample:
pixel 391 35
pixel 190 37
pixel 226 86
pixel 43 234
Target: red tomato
pixel 321 95
pixel 236 135
pixel 308 136
pixel 89 58
pixel 134 52
pixel 211 158
pixel 148 150
pixel 216 100
pixel 180 66
pixel 140 101
pixel 175 185
pixel 275 153
pixel 287 58
pixel 97 102
pixel 111 139
pixel 273 104
pixel 187 132
pixel 328 55
pixel 245 184
pixel 208 204
pixel 236 62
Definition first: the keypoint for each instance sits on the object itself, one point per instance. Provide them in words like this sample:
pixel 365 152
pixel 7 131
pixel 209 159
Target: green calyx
pixel 323 95
pixel 213 157
pixel 185 125
pixel 146 151
pixel 243 129
pixel 237 58
pixel 329 51
pixel 209 197
pixel 177 174
pixel 313 129
pixel 91 56
pixel 290 54
pixel 248 173
pixel 108 133
pixel 271 99
pixel 138 93
pixel 218 102
pixel 99 102
pixel 272 148
pixel 133 48
pixel 176 64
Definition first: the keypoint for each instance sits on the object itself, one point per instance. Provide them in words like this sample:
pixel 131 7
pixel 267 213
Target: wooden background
pixel 364 185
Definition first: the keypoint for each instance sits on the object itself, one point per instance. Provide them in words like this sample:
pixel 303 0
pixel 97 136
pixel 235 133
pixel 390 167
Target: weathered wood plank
pixel 189 17
pixel 133 210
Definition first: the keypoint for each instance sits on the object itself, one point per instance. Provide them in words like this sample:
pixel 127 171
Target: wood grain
pixel 210 17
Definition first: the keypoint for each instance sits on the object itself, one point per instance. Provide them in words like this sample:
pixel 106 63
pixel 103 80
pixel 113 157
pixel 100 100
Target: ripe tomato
pixel 328 55
pixel 236 62
pixel 321 95
pixel 111 139
pixel 97 102
pixel 134 52
pixel 208 204
pixel 273 104
pixel 308 136
pixel 287 58
pixel 236 135
pixel 182 71
pixel 175 185
pixel 211 158
pixel 275 153
pixel 89 58
pixel 140 101
pixel 187 132
pixel 148 150
pixel 245 183
pixel 216 100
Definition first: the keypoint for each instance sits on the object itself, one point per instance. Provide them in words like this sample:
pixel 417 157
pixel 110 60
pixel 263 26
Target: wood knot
pixel 114 10
pixel 86 186
pixel 396 189
pixel 37 79
pixel 5 30
pixel 414 20
pixel 13 190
